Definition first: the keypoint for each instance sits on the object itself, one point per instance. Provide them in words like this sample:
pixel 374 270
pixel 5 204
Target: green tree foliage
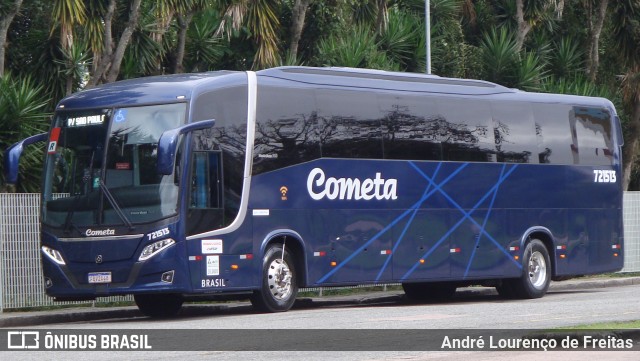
pixel 537 45
pixel 22 114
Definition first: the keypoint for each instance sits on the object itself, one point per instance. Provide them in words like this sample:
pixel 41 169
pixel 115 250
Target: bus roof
pixel 177 87
pixel 380 79
pixel 145 90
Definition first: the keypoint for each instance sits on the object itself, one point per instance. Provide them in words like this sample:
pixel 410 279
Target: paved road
pixel 568 303
pixel 571 303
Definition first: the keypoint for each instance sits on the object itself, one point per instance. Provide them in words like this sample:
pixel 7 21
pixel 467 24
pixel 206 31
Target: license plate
pixel 100 277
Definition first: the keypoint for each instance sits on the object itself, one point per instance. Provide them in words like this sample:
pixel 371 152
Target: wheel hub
pixel 279 279
pixel 537 270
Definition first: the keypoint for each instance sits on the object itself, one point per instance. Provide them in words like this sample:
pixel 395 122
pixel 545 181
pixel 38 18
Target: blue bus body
pixel 457 203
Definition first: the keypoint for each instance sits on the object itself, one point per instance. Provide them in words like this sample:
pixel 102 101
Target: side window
pixel 206 180
pixel 552 132
pixel 409 129
pixel 349 124
pixel 286 131
pixel 591 134
pixel 466 130
pixel 217 160
pixel 514 132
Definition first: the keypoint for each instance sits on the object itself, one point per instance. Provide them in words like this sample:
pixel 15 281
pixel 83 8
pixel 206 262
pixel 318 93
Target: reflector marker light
pixel 319 254
pixel 246 256
pixel 563 256
pixel 234 267
pixel 615 246
pixel 195 258
pixel 422 261
pixel 385 251
pixel 334 263
pixel 455 250
pixel 563 247
pixel 615 254
pixel 514 248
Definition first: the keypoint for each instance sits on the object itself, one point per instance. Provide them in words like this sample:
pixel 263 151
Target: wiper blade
pixel 115 205
pixel 68 222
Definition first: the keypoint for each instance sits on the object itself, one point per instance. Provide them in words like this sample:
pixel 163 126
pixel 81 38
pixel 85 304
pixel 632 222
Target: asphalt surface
pixel 85 314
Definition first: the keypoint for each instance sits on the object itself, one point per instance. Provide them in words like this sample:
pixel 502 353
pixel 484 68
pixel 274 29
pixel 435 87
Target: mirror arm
pixel 168 144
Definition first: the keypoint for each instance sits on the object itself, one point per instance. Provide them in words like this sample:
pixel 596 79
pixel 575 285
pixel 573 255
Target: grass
pixel 615 275
pixel 621 325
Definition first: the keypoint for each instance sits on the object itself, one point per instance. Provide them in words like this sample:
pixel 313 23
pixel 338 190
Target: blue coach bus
pixel 253 184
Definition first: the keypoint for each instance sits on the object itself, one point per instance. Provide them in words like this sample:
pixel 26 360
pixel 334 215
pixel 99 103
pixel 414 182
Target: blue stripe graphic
pixel 432 188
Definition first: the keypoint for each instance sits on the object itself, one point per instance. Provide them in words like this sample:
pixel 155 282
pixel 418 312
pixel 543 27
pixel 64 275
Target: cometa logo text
pixel 99 232
pixel 319 187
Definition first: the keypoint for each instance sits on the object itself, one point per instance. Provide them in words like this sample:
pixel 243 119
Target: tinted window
pixel 409 128
pixel 349 124
pixel 552 131
pixel 591 135
pixel 225 142
pixel 465 129
pixel 514 132
pixel 286 131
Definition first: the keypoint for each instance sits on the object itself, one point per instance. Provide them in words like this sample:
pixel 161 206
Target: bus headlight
pixel 54 255
pixel 155 247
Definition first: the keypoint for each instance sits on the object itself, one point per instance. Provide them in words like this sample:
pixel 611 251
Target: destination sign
pixel 86 120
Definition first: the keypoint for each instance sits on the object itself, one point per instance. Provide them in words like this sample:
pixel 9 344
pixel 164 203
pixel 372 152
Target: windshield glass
pixel 101 167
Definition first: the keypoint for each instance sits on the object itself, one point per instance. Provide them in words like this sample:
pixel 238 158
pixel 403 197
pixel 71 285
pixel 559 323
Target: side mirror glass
pixel 168 144
pixel 12 156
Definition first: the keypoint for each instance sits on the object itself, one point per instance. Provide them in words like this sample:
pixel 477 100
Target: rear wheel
pixel 434 291
pixel 279 282
pixel 159 305
pixel 536 275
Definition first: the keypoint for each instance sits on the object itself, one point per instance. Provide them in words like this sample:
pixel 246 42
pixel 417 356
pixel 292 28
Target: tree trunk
pixel 104 59
pixel 298 14
pixel 559 9
pixel 125 38
pixel 382 19
pixel 595 29
pixel 5 22
pixel 183 24
pixel 111 59
pixel 630 150
pixel 523 26
pixel 164 22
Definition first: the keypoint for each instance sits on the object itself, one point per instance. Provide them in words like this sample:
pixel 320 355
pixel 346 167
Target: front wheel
pixel 279 282
pixel 536 275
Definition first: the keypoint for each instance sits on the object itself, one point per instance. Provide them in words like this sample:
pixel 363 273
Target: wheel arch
pixel 546 237
pixel 294 243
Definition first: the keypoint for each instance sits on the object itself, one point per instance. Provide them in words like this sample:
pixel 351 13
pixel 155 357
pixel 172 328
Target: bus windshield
pixel 101 167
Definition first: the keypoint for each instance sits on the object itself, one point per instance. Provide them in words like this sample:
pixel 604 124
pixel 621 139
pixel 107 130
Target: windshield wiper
pixel 115 205
pixel 68 223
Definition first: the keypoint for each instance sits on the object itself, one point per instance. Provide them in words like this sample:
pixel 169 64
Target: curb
pixel 22 319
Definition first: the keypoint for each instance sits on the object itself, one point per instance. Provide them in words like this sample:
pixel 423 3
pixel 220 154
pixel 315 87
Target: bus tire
pixel 159 305
pixel 434 291
pixel 279 286
pixel 536 274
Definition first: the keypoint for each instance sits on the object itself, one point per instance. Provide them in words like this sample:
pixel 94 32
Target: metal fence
pixel 21 279
pixel 21 272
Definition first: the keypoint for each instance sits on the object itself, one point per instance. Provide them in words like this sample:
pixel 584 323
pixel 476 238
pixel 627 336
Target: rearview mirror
pixel 168 144
pixel 12 156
